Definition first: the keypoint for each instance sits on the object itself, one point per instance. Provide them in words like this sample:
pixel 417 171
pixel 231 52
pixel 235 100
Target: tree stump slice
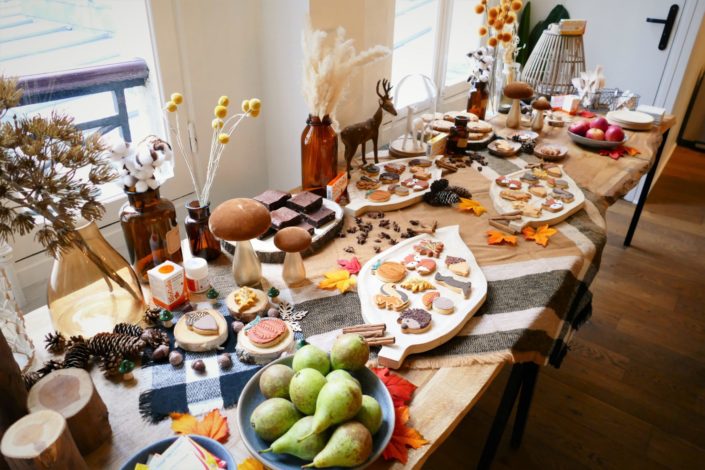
pixel 13 404
pixel 41 441
pixel 71 393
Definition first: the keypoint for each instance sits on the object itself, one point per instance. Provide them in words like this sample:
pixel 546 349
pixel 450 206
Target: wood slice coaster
pixel 41 441
pixel 71 393
pixel 250 353
pixel 250 313
pixel 188 339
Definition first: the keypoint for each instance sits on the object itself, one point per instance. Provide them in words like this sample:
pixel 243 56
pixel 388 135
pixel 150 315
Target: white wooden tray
pixel 359 204
pixel 443 327
pixel 550 218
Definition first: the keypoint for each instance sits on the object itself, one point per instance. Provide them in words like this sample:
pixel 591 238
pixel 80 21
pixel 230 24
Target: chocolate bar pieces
pixel 305 202
pixel 272 199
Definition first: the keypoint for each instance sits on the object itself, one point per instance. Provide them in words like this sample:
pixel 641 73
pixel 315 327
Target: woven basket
pixel 553 63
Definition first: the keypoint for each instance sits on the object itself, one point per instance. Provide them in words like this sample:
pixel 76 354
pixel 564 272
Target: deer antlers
pixel 386 86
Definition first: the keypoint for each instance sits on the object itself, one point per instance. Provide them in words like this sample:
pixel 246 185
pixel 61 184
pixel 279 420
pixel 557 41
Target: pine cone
pixel 460 191
pixel 73 340
pixel 128 329
pixel 55 342
pixel 31 378
pixel 154 337
pixel 151 315
pixel 528 147
pixel 50 366
pixel 78 356
pixel 110 365
pixel 447 198
pixel 104 344
pixel 439 185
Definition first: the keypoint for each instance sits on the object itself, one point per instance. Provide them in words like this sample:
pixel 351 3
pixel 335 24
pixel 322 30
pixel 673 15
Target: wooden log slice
pixel 13 404
pixel 70 392
pixel 41 441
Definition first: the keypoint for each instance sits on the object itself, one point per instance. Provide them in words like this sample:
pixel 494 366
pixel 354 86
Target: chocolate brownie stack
pixel 303 210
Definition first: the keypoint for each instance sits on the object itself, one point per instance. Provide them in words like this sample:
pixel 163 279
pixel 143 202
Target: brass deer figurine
pixel 361 132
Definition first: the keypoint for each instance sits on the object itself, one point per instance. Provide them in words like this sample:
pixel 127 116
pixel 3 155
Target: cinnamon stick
pixel 511 213
pixel 364 328
pixel 506 217
pixel 381 341
pixel 501 226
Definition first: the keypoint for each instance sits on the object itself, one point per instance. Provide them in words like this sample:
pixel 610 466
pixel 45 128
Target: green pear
pixel 305 449
pixel 350 352
pixel 340 374
pixel 370 414
pixel 273 417
pixel 337 401
pixel 313 357
pixel 274 381
pixel 349 446
pixel 304 388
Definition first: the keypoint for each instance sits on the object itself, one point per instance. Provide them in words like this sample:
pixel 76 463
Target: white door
pixel 619 37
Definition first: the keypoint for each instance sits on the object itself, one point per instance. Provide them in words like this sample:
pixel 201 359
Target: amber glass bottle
pixel 478 99
pixel 457 143
pixel 319 154
pixel 202 242
pixel 151 231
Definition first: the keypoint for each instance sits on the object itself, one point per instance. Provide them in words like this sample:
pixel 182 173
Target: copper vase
pixel 202 242
pixel 319 154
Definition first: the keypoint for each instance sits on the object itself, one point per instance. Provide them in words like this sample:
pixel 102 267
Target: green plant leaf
pixel 523 32
pixel 557 14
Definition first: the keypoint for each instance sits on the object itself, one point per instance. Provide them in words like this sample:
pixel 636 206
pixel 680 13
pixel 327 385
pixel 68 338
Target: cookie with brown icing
pixel 414 321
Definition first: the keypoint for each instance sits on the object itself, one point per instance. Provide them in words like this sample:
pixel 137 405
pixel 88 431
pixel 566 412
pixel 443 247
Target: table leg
pixel 645 191
pixel 531 373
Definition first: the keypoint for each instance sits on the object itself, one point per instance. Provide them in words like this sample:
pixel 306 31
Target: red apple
pixel 579 128
pixel 599 123
pixel 614 134
pixel 595 134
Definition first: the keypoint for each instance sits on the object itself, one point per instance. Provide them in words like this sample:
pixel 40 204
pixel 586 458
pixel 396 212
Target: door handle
pixel 667 26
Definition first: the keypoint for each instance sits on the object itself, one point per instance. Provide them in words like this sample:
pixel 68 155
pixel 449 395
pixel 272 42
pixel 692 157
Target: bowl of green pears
pixel 317 410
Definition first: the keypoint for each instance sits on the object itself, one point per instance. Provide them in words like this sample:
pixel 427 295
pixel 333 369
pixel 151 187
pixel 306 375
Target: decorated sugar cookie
pixel 245 297
pixel 552 205
pixel 443 305
pixel 429 297
pixel 202 322
pixel 462 287
pixel 457 265
pixel 416 284
pixel 430 248
pixel 414 321
pixel 266 332
pixel 390 271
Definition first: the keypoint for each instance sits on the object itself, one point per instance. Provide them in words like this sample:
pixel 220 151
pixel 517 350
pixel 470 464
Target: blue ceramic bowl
pixel 251 397
pixel 214 447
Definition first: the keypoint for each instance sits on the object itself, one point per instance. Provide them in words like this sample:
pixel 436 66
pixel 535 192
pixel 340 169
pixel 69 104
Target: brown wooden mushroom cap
pixel 518 91
pixel 541 104
pixel 239 220
pixel 292 239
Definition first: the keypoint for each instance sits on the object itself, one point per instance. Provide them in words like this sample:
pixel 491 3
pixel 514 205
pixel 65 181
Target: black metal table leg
pixel 645 191
pixel 531 372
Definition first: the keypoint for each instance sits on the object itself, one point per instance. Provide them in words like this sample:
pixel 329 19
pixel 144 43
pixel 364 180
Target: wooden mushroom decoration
pixel 292 241
pixel 517 91
pixel 540 105
pixel 240 220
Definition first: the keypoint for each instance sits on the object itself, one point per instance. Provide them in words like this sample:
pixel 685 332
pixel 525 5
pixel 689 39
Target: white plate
pixel 563 152
pixel 492 147
pixel 443 327
pixel 598 144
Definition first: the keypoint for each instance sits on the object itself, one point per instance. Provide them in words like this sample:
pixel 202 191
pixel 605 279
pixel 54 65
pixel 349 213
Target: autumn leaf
pixel 250 463
pixel 495 237
pixel 399 388
pixel 540 235
pixel 213 425
pixel 339 279
pixel 469 205
pixel 403 437
pixel 351 265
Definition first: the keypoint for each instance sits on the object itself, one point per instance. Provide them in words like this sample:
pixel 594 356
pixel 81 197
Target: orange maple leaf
pixel 403 437
pixel 495 237
pixel 469 205
pixel 540 235
pixel 250 464
pixel 399 388
pixel 213 425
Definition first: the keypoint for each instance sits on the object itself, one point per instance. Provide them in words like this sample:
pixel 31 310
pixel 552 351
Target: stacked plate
pixel 633 120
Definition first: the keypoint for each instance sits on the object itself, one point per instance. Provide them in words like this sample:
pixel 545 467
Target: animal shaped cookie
pixel 557 183
pixel 398 189
pixel 365 182
pixel 531 210
pixel 462 287
pixel 391 271
pixel 563 195
pixel 427 247
pixel 421 173
pixel 457 265
pixel 538 190
pixel 529 178
pixel 202 322
pixel 415 184
pixel 391 298
pixel 429 297
pixel 245 298
pixel 388 177
pixel 370 170
pixel 416 284
pixel 422 265
pixel 397 168
pixel 414 321
pixel 552 205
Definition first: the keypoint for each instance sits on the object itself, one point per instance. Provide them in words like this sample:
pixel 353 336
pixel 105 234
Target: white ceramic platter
pixel 359 204
pixel 550 218
pixel 443 327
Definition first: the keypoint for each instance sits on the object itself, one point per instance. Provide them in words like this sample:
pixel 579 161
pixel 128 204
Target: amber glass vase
pixel 319 154
pixel 478 99
pixel 151 231
pixel 202 242
pixel 92 288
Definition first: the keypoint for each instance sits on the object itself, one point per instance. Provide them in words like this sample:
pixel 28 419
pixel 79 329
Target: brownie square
pixel 321 217
pixel 284 217
pixel 272 199
pixel 306 226
pixel 305 202
pixel 270 232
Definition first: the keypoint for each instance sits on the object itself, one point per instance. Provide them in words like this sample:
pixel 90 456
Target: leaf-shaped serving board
pixel 443 326
pixel 359 204
pixel 546 217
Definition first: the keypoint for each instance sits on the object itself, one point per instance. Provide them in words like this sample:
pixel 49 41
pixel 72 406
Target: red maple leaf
pixel 403 437
pixel 399 388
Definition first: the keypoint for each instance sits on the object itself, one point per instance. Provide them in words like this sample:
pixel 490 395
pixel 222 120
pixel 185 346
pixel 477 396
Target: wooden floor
pixel 631 392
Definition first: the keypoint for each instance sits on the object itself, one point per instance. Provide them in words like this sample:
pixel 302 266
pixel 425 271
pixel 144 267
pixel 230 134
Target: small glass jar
pixel 202 242
pixel 458 137
pixel 151 231
pixel 197 280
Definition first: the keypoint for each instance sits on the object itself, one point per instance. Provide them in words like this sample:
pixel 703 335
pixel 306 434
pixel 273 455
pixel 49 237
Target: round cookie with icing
pixel 378 195
pixel 429 297
pixel 443 305
pixel 398 189
pixel 390 271
pixel 414 321
pixel 266 332
pixel 415 184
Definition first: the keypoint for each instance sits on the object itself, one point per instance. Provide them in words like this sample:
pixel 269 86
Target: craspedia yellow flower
pixel 217 123
pixel 516 5
pixel 506 37
pixel 177 98
pixel 510 18
pixel 482 31
pixel 492 12
pixel 255 104
pixel 170 106
pixel 490 21
pixel 224 101
pixel 498 24
pixel 479 8
pixel 254 112
pixel 220 111
pixel 492 41
pixel 245 106
pixel 223 138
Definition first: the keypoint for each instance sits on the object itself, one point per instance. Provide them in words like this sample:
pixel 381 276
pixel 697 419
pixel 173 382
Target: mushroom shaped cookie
pixel 517 91
pixel 540 105
pixel 241 220
pixel 292 241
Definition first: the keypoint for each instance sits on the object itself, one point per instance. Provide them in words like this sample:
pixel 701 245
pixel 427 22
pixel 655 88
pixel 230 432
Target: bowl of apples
pixel 597 133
